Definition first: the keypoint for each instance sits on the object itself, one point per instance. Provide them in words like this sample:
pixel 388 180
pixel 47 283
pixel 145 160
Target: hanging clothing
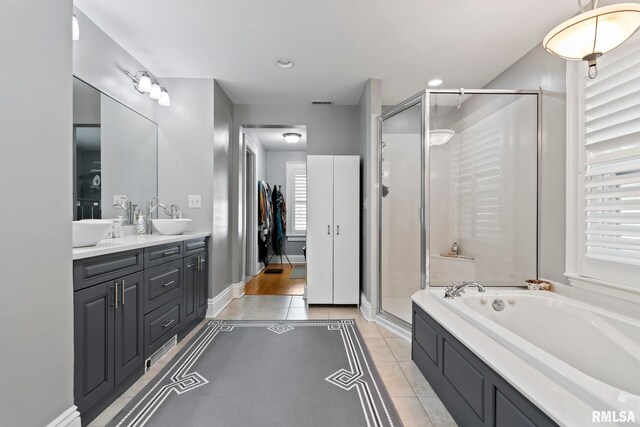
pixel 264 221
pixel 279 220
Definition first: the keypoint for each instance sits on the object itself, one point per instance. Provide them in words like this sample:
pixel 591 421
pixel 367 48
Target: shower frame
pixel 423 98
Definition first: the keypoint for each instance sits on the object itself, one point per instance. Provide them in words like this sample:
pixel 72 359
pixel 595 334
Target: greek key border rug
pixel 266 373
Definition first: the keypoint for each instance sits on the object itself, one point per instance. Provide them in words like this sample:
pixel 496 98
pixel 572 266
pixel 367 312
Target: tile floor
pixel 415 400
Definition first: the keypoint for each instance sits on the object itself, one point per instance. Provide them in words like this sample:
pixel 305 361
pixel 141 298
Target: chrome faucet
pixel 129 210
pixel 457 289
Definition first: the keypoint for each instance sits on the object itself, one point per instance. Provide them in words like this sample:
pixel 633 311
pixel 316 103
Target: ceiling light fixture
pixel 75 28
pixel 284 63
pixel 142 83
pixel 292 137
pixel 593 33
pixel 439 136
pixel 434 82
pixel 156 90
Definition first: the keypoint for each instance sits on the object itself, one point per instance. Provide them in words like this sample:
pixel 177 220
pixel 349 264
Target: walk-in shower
pixel 460 202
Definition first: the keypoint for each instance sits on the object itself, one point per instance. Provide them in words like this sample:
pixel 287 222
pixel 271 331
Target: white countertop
pixel 548 395
pixel 127 243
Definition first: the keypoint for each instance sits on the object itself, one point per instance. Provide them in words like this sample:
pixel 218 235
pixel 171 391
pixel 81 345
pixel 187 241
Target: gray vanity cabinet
pixel 108 337
pixel 195 287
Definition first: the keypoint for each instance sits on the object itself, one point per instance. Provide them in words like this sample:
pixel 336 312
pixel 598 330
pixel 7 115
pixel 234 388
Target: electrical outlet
pixel 119 199
pixel 195 201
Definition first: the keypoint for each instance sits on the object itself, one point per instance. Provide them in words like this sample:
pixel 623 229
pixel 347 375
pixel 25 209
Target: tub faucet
pixel 457 289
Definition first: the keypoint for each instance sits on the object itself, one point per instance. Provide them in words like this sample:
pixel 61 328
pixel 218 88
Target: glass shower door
pixel 401 231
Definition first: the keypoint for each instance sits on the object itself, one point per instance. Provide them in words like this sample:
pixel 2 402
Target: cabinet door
pixel 346 233
pixel 320 229
pixel 202 285
pixel 129 342
pixel 189 304
pixel 93 344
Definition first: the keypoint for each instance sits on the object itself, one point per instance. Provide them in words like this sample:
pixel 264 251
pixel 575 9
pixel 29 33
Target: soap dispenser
pixel 454 248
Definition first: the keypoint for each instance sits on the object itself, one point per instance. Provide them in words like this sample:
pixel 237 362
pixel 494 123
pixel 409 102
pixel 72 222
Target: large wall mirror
pixel 115 154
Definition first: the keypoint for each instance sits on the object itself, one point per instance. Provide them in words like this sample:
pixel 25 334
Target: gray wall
pixel 36 359
pixel 534 70
pixel 222 199
pixel 186 156
pixel 369 107
pixel 276 169
pixel 99 61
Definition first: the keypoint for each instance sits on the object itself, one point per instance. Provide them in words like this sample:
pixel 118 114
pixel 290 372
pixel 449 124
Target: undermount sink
pixel 88 232
pixel 171 226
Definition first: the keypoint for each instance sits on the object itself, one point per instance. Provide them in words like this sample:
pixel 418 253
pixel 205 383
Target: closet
pixel 333 229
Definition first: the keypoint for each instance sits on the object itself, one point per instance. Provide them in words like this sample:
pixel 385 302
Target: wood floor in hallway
pixel 275 284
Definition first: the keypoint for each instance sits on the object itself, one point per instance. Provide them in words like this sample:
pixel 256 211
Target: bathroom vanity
pixel 133 297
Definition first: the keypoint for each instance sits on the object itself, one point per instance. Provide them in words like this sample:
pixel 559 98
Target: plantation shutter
pixel 611 161
pixel 297 197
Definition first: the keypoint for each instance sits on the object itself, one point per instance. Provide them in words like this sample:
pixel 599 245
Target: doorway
pixel 274 159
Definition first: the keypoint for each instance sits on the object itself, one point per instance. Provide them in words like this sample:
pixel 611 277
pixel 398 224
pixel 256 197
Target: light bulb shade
pixel 155 90
pixel 164 100
pixel 144 82
pixel 594 33
pixel 440 136
pixel 75 28
pixel 292 137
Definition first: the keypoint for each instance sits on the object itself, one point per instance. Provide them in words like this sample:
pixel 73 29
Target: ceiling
pixel 271 137
pixel 336 44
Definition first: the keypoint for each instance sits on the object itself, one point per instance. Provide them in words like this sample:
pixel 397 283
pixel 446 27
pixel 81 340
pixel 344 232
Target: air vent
pixel 321 102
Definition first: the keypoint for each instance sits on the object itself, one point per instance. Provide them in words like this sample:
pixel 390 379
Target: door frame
pixel 250 264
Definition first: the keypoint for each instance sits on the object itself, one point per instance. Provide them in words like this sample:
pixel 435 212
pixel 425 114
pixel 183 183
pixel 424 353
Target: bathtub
pixel 590 353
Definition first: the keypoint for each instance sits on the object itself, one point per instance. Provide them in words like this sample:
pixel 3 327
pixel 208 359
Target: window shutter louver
pixel 611 166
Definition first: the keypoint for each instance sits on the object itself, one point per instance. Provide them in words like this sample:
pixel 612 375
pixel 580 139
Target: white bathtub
pixel 591 353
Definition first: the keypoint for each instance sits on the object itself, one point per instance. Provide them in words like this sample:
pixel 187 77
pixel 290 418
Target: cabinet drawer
pixel 92 271
pixel 160 325
pixel 157 255
pixel 162 284
pixel 195 246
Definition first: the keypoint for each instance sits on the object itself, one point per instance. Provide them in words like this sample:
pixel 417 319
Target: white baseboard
pixel 69 418
pixel 398 330
pixel 219 302
pixel 295 259
pixel 365 308
pixel 238 289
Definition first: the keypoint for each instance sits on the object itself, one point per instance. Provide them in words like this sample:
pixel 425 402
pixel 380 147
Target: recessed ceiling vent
pixel 321 102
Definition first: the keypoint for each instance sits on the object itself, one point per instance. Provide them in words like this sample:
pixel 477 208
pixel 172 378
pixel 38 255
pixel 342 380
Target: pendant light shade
pixel 591 34
pixel 440 136
pixel 164 100
pixel 75 28
pixel 156 90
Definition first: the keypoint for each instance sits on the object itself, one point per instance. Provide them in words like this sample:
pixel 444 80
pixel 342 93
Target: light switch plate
pixel 195 201
pixel 119 199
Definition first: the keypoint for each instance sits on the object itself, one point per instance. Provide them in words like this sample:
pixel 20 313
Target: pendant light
pixel 593 33
pixel 438 136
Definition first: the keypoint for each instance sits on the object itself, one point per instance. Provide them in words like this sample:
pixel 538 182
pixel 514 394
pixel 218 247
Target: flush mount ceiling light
pixel 284 63
pixel 434 82
pixel 593 33
pixel 142 83
pixel 292 137
pixel 438 136
pixel 75 28
pixel 156 90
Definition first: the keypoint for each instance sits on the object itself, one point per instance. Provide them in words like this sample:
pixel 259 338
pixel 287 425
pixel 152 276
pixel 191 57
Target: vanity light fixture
pixel 156 90
pixel 164 100
pixel 75 28
pixel 593 33
pixel 284 63
pixel 142 83
pixel 434 82
pixel 292 137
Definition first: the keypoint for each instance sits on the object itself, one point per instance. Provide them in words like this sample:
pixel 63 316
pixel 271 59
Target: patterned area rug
pixel 267 373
